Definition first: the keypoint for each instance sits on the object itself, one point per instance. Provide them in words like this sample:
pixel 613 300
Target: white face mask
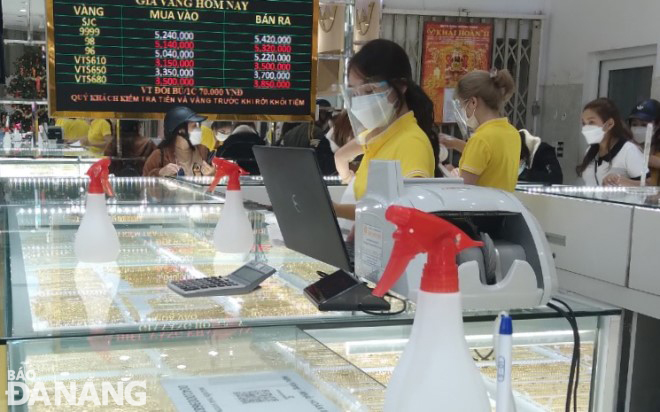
pixel 221 137
pixel 373 110
pixel 593 134
pixel 195 136
pixel 639 134
pixel 471 121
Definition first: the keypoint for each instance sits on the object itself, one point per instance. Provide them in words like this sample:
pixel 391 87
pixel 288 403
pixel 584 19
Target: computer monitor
pixel 302 204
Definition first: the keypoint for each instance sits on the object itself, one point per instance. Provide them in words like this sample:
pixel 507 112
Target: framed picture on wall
pixel 450 50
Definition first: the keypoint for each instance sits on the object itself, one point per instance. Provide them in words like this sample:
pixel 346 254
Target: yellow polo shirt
pixel 98 129
pixel 493 153
pixel 208 138
pixel 403 141
pixel 73 129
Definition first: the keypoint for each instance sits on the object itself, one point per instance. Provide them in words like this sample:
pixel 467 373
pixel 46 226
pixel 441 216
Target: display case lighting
pixel 206 180
pixel 191 211
pixel 578 189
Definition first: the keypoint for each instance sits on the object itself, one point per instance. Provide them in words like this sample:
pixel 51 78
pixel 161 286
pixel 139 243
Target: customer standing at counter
pixel 181 151
pixel 538 161
pixel 612 158
pixel 491 157
pixel 135 149
pixel 391 116
pixel 641 115
pixel 654 160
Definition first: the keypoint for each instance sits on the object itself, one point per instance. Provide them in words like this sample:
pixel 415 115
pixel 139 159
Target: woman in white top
pixel 612 158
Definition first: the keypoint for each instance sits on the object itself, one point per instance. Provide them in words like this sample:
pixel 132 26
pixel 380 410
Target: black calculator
pixel 243 280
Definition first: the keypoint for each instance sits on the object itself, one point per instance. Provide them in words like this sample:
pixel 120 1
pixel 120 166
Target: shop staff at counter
pixel 73 129
pixel 181 152
pixel 612 159
pixel 491 157
pixel 99 134
pixel 391 116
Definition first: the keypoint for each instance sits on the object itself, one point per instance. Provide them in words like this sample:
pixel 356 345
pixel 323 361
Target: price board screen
pixel 230 59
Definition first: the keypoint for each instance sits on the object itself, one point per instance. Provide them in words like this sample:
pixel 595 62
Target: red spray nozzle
pixel 223 168
pixel 418 232
pixel 99 175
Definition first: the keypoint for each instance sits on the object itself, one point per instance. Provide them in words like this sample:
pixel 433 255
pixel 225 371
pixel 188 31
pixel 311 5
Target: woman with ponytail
pixel 391 116
pixel 491 157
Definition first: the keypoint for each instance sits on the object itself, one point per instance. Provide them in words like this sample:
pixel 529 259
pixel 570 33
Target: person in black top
pixel 538 161
pixel 304 136
pixel 238 147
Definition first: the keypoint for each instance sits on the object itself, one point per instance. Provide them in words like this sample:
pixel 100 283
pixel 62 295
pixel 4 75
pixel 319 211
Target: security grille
pixel 516 46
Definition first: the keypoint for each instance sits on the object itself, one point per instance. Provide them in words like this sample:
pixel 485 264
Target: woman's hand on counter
pixel 169 170
pixel 618 180
pixel 207 170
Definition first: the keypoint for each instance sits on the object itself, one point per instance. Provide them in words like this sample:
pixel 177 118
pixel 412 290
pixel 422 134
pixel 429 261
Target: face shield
pixel 461 118
pixel 371 108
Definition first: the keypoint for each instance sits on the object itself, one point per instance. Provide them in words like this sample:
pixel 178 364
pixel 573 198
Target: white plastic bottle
pixel 96 239
pixel 436 371
pixel 233 233
pixel 7 137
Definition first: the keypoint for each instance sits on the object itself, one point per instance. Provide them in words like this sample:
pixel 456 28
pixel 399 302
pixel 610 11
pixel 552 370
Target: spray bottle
pixel 436 371
pixel 6 140
pixel 233 233
pixel 96 240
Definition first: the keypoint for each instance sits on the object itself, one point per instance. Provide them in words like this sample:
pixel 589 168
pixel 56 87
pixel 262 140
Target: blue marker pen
pixel 503 360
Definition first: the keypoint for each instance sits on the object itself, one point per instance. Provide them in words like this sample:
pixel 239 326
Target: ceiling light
pixel 23 10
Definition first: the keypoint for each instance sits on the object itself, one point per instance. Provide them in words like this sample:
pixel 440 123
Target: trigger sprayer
pixel 437 355
pixel 96 239
pixel 233 233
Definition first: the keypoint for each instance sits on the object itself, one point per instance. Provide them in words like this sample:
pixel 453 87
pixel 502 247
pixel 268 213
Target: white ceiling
pixel 15 13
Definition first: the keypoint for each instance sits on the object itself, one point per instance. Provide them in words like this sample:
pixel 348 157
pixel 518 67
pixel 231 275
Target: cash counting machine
pixel 514 268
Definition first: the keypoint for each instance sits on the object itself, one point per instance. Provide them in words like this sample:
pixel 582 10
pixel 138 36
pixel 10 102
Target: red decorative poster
pixel 450 51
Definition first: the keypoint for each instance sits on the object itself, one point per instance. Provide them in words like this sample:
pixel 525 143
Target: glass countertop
pixel 271 368
pixel 52 294
pixel 630 196
pixel 71 191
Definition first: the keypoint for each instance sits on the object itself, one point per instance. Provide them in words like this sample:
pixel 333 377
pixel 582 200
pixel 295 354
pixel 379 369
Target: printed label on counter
pixel 372 248
pixel 284 391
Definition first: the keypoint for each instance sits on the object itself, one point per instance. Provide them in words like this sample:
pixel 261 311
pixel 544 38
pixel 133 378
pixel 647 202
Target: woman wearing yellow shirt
pixel 99 134
pixel 491 157
pixel 73 129
pixel 391 116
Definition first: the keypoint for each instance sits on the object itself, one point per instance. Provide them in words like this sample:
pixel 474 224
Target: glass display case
pixel 68 322
pixel 269 368
pixel 631 196
pixel 542 354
